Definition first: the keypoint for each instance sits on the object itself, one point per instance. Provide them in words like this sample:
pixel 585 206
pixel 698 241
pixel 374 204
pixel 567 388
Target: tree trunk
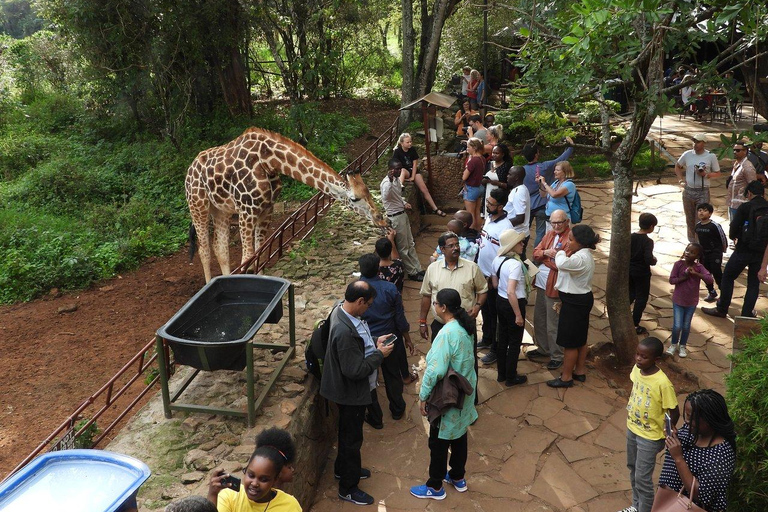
pixel 617 294
pixel 233 82
pixel 757 85
pixel 407 65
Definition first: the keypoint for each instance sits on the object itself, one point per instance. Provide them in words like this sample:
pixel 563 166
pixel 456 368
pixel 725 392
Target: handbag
pixel 667 500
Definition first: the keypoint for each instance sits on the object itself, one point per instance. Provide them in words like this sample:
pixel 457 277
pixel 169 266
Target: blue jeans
pixel 681 323
pixel 641 460
pixel 541 218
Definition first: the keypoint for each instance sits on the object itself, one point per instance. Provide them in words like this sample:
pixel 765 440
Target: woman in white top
pixel 510 277
pixel 574 286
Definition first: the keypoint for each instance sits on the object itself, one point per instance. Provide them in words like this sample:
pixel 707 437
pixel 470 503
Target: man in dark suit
pixel 349 375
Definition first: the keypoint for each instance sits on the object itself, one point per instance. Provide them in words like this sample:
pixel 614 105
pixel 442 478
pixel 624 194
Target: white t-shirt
pixel 512 269
pixel 540 281
pixel 692 162
pixel 489 243
pixel 465 83
pixel 519 202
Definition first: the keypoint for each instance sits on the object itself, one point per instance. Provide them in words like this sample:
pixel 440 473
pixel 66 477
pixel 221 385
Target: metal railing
pixel 81 422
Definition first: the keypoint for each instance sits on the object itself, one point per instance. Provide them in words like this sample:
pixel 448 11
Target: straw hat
pixel 508 240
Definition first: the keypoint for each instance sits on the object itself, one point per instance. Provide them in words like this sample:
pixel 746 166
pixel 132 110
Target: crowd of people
pixel 479 268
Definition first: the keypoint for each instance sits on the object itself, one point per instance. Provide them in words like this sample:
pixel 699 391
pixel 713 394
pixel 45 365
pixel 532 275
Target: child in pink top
pixel 686 276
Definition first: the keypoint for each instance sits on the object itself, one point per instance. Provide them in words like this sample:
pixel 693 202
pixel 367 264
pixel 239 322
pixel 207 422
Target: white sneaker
pixel 683 352
pixel 628 509
pixel 672 349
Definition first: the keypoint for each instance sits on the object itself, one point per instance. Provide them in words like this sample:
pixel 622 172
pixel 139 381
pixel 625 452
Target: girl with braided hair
pixel 704 448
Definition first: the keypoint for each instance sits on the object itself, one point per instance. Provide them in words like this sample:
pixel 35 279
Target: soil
pixel 60 349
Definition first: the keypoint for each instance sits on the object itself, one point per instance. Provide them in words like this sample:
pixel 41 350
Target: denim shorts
pixel 473 193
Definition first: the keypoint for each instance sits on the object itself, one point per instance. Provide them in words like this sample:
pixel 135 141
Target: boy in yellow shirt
pixel 652 396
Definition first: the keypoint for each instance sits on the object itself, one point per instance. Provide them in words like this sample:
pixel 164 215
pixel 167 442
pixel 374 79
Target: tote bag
pixel 667 500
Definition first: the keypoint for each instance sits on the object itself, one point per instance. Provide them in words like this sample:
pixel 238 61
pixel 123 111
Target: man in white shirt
pixel 465 78
pixel 518 205
pixel 496 222
pixel 397 213
pixel 694 169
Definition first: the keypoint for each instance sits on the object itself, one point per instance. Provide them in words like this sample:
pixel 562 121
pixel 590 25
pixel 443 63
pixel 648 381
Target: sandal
pixel 439 212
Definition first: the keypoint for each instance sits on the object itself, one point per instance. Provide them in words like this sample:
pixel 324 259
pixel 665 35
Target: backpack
pixel 314 352
pixel 575 209
pixel 755 230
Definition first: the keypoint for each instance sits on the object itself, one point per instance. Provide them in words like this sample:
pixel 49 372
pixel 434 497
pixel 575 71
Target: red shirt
pixel 476 167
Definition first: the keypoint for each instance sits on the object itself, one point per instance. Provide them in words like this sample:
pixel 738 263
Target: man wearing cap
pixel 694 169
pixel 510 276
pixel 545 317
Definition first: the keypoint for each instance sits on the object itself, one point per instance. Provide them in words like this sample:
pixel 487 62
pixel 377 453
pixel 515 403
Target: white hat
pixel 509 239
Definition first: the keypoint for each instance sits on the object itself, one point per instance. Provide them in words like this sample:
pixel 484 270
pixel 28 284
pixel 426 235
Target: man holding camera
pixel 699 166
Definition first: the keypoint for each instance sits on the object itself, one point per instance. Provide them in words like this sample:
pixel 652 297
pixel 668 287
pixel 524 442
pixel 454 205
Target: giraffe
pixel 243 177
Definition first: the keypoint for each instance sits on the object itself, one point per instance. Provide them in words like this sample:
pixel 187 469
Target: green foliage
pixel 589 112
pixel 95 198
pixel 747 399
pixel 18 19
pixel 86 437
pixel 529 124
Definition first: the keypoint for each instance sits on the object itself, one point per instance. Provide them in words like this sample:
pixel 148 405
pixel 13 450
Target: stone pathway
pixel 533 448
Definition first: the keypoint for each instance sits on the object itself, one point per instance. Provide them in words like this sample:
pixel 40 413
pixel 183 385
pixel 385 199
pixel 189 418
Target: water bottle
pixel 538 173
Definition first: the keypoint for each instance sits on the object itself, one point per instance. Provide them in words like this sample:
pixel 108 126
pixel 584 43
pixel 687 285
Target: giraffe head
pixel 359 198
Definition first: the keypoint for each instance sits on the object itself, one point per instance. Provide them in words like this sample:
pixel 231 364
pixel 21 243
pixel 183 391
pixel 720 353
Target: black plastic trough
pixel 217 330
pixel 210 331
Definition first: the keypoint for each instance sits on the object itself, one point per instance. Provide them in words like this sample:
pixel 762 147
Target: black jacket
pixel 737 223
pixel 346 369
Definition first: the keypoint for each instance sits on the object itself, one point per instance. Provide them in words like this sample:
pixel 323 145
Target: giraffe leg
pixel 221 240
pixel 200 219
pixel 247 223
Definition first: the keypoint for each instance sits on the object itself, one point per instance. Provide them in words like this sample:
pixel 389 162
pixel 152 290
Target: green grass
pixel 597 166
pixel 84 196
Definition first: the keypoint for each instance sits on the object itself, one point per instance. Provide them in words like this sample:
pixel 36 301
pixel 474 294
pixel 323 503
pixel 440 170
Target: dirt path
pixel 58 350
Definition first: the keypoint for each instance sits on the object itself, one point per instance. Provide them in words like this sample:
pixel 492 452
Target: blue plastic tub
pixel 75 481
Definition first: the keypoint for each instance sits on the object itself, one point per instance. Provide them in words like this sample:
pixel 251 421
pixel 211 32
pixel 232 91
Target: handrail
pixel 300 223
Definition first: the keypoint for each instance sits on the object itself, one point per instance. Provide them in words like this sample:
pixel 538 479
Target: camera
pixel 231 482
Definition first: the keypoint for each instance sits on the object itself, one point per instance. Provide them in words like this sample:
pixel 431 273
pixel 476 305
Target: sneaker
pixel 357 497
pixel 425 492
pixel 536 353
pixel 489 358
pixel 714 312
pixel 460 485
pixel 364 473
pixel 377 426
pixel 416 277
pixel 484 344
pixel 672 349
pixel 683 352
pixel 711 296
pixel 554 364
pixel 628 509
pixel 518 379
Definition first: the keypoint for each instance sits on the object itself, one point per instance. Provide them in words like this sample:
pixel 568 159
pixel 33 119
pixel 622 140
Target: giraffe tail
pixel 192 241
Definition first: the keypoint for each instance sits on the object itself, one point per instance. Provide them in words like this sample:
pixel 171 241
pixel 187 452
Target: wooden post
pixel 425 118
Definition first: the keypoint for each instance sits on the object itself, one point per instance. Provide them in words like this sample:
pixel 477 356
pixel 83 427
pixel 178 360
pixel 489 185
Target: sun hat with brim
pixel 508 240
pixel 699 138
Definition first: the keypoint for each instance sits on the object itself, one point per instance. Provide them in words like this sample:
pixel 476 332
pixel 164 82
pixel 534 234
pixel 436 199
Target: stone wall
pixel 446 179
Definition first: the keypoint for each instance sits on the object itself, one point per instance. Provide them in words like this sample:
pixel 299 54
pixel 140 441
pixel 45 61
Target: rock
pixel 107 288
pixel 292 390
pixel 199 460
pixel 69 308
pixel 287 407
pixel 174 491
pixel 192 477
pixel 294 374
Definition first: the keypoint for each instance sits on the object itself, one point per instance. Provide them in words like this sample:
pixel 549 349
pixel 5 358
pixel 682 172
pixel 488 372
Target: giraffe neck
pixel 318 175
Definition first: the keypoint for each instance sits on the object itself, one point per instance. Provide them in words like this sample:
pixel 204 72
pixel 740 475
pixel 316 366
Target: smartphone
pixel 231 482
pixel 390 340
pixel 667 424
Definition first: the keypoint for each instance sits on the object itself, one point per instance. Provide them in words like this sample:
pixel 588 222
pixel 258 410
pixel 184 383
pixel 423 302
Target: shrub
pixel 748 406
pixel 589 112
pixel 543 126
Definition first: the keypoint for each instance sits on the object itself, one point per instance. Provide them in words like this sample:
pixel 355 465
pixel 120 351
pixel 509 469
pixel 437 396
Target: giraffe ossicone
pixel 243 178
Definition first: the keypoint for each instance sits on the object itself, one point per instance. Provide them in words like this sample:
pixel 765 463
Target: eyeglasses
pixel 451 246
pixel 491 204
pixel 739 149
pixel 557 222
pixel 435 303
